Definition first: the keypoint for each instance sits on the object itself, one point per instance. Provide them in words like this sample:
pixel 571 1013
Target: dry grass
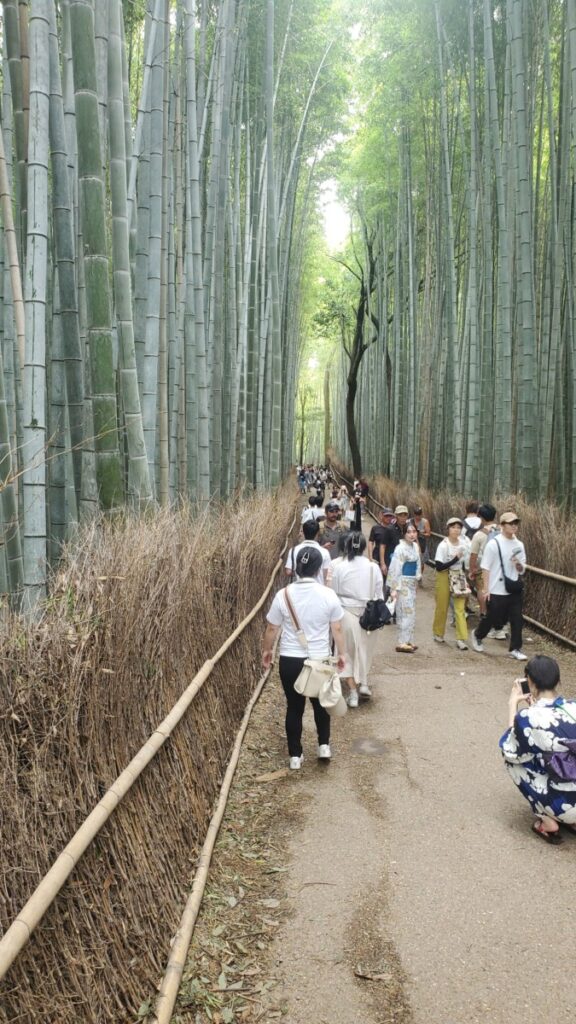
pixel 548 533
pixel 135 610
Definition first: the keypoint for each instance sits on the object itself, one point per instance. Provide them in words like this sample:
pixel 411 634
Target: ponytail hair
pixel 355 545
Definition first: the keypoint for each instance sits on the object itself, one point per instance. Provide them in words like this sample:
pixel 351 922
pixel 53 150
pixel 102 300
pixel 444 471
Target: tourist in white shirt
pixel 310 532
pixel 357 580
pixel 503 555
pixel 319 614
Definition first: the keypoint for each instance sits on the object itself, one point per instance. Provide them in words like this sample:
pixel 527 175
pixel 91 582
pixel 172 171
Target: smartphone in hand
pixel 525 687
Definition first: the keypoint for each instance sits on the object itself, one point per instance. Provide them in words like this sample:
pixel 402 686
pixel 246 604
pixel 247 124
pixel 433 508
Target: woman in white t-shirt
pixel 319 614
pixel 356 580
pixel 451 557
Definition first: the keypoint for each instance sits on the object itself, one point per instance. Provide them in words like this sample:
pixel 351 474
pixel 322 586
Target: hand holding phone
pixel 525 686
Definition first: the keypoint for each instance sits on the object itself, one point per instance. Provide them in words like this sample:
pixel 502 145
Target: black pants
pixel 503 608
pixel 289 669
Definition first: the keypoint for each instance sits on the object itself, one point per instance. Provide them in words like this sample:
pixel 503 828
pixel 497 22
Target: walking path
pixel 411 887
pixel 428 877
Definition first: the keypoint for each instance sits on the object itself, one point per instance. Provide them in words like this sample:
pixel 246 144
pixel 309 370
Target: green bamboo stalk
pixel 139 490
pixel 95 256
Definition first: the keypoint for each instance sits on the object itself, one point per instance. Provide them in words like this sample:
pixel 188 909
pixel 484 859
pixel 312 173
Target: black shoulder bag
pixel 376 613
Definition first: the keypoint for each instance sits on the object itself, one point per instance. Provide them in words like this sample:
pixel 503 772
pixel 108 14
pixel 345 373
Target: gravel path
pixel 417 891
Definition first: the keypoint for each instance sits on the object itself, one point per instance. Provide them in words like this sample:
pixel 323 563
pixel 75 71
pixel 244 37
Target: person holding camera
pixel 539 748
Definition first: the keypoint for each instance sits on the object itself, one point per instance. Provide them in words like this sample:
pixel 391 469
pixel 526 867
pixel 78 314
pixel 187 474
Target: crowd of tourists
pixel 339 582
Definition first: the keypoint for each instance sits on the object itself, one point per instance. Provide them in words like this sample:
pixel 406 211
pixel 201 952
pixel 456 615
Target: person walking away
pixel 472 521
pixel 320 614
pixel 313 510
pixel 356 581
pixel 310 532
pixel 503 566
pixel 424 532
pixel 384 537
pixel 488 529
pixel 403 575
pixel 450 558
pixel 539 748
pixel 331 528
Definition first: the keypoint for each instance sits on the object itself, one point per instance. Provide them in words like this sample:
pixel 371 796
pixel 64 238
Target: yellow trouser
pixel 442 603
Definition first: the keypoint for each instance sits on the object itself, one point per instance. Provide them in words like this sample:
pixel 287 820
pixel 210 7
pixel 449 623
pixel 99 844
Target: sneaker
pixel 324 752
pixel 518 656
pixel 476 645
pixel 352 699
pixel 500 634
pixel 461 645
pixel 364 690
pixel 296 763
pixel 439 639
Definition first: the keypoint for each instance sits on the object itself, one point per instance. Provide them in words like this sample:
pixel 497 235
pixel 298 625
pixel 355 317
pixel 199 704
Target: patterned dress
pixel 403 575
pixel 531 747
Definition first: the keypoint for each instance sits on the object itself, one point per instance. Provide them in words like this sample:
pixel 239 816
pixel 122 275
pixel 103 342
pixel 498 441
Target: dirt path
pixel 415 891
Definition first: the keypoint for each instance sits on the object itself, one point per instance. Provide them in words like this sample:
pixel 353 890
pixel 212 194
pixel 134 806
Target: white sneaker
pixel 364 690
pixel 476 645
pixel 461 645
pixel 324 752
pixel 352 699
pixel 518 656
pixel 296 763
pixel 497 634
pixel 439 639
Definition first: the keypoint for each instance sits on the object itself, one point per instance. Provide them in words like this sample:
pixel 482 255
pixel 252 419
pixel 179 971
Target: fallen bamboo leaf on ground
pixel 272 776
pixel 367 975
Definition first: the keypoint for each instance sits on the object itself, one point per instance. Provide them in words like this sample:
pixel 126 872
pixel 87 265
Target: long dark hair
pixel 355 545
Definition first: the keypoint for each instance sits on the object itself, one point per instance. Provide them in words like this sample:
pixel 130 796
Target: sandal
pixel 554 838
pixel 405 649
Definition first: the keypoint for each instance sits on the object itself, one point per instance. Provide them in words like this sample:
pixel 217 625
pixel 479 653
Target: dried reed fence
pixel 135 610
pixel 547 532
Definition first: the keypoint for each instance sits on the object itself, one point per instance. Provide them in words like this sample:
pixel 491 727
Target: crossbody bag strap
pixel 293 615
pixel 501 559
pixel 303 639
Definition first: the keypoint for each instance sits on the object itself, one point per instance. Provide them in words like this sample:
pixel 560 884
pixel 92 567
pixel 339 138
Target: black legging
pixel 289 669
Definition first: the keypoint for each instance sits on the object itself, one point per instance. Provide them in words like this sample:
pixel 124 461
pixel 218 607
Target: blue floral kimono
pixel 540 755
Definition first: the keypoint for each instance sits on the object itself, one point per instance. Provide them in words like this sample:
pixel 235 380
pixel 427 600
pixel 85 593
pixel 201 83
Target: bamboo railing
pixel 534 569
pixel 17 935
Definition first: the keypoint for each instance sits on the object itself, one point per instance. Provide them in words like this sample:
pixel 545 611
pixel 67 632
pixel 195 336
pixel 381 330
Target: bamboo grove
pixel 462 178
pixel 157 174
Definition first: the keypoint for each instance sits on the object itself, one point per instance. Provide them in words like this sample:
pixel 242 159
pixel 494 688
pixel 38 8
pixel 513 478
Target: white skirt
pixel 359 648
